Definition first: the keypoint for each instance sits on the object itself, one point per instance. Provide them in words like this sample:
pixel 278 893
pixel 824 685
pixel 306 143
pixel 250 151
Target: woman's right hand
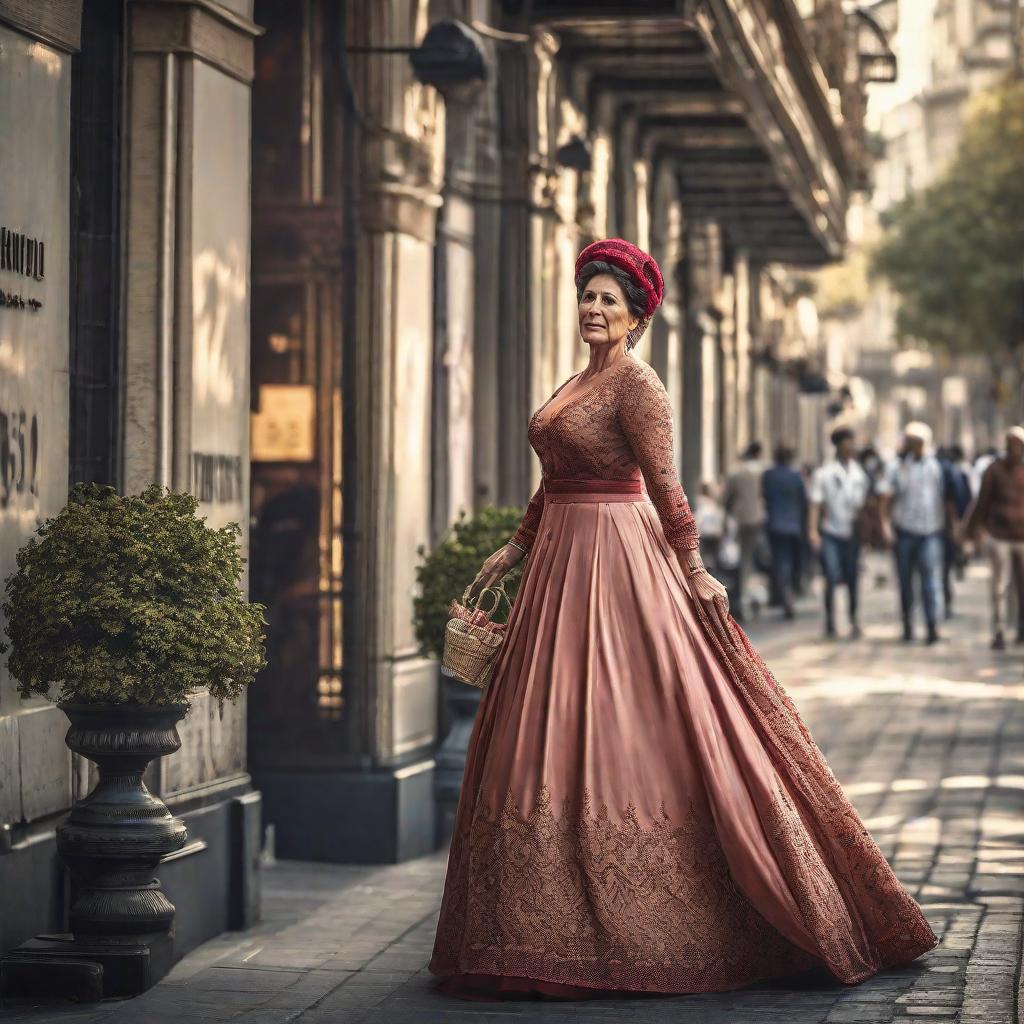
pixel 502 561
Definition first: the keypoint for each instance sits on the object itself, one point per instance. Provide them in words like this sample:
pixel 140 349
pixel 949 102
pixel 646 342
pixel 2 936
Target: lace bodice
pixel 617 427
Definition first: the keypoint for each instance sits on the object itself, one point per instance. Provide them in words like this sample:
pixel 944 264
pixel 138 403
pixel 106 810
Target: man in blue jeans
pixel 785 501
pixel 839 490
pixel 913 493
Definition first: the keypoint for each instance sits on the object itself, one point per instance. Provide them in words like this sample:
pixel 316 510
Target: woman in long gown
pixel 643 809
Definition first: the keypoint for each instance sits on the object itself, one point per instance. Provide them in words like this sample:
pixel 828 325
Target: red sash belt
pixel 569 491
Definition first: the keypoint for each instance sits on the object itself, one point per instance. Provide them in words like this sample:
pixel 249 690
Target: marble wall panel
pixel 414 718
pixel 220 296
pixel 212 747
pixel 34 338
pixel 458 377
pixel 45 762
pixel 10 771
pixel 410 412
pixel 213 738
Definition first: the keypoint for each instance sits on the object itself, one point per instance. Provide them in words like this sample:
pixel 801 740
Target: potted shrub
pixel 443 574
pixel 121 607
pixel 446 571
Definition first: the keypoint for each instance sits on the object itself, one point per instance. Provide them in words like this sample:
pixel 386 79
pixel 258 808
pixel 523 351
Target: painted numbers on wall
pixel 19 455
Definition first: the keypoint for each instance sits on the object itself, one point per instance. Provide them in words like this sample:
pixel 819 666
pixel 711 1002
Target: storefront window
pixel 297 552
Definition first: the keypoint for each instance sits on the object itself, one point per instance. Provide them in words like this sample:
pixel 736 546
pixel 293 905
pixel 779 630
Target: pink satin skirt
pixel 636 814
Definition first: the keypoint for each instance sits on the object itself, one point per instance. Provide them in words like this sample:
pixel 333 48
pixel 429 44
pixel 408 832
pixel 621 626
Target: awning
pixel 731 93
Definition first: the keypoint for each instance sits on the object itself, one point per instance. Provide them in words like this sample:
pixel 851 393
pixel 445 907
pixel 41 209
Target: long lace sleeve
pixel 646 419
pixel 526 533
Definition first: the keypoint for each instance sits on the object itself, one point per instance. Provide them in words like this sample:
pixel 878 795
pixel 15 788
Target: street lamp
pixel 575 154
pixel 877 61
pixel 450 58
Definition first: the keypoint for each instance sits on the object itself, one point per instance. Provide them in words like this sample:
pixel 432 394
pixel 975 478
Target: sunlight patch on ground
pixel 868 788
pixel 883 822
pixel 966 782
pixel 1000 826
pixel 854 688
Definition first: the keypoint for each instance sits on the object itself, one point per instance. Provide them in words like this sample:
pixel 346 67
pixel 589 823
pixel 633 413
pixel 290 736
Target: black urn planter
pixel 112 841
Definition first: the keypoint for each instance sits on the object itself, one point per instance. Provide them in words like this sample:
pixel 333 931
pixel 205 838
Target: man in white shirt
pixel 913 494
pixel 839 490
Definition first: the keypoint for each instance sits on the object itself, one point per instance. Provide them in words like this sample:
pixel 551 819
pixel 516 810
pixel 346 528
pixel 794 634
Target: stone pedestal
pixel 371 816
pixel 112 843
pixel 60 966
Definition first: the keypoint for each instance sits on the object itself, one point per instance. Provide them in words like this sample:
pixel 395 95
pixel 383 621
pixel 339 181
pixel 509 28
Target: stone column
pixel 763 340
pixel 186 358
pixel 701 353
pixel 390 803
pixel 666 330
pixel 744 378
pixel 729 402
pixel 466 353
pixel 454 321
pixel 488 283
pixel 515 326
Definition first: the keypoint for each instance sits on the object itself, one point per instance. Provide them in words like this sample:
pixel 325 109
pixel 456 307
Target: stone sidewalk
pixel 927 741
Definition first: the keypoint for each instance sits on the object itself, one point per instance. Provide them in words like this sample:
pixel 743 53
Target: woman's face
pixel 603 311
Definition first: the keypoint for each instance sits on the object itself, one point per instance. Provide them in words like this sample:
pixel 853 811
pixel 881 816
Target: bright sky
pixel 910 43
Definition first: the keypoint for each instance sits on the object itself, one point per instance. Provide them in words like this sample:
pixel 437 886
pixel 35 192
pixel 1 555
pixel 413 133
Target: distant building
pixel 966 50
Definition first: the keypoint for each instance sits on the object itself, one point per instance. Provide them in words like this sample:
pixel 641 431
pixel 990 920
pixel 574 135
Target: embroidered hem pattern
pixel 579 898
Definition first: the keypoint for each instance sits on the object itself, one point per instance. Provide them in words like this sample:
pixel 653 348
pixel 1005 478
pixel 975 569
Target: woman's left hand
pixel 705 588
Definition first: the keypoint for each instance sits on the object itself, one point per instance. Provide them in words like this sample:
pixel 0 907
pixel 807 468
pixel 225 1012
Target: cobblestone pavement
pixel 928 742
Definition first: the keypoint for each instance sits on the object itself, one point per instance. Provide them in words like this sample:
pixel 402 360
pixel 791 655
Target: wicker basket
pixel 471 650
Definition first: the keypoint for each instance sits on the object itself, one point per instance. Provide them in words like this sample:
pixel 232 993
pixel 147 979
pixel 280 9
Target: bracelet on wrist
pixel 519 547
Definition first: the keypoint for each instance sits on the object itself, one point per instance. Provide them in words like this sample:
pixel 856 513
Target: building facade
pixel 326 296
pixel 126 162
pixel 966 48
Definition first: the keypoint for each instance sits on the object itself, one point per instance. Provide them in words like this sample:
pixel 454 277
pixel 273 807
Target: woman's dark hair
pixel 636 297
pixel 840 435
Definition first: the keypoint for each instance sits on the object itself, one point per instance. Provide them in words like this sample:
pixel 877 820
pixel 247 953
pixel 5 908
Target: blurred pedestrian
pixel 872 533
pixel 958 499
pixel 710 516
pixel 744 502
pixel 982 460
pixel 807 556
pixel 785 500
pixel 838 492
pixel 999 510
pixel 914 508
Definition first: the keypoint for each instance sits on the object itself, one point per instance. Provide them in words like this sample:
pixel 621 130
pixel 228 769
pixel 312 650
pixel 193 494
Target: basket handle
pixel 498 589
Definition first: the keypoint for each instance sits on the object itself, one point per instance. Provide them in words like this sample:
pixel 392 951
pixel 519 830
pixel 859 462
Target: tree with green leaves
pixel 954 251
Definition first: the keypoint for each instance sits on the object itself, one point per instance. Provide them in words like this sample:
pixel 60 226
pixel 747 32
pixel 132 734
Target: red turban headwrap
pixel 627 257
